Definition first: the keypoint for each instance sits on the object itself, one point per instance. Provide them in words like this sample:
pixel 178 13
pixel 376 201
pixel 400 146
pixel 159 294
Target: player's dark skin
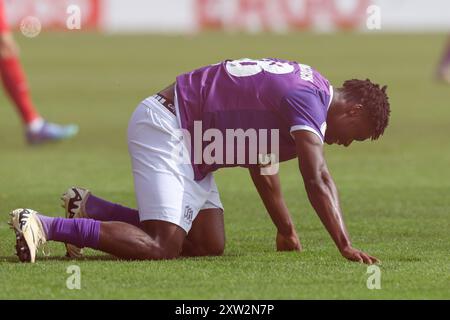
pixel 346 122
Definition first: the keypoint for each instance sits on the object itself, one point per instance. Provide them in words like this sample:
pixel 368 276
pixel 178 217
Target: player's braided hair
pixel 374 99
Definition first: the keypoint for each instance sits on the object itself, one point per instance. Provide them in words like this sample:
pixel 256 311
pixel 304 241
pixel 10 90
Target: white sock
pixel 35 125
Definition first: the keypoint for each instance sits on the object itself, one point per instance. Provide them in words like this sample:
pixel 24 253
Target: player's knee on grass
pixel 210 246
pixel 215 249
pixel 207 235
pixel 163 250
pixel 165 240
pixel 149 249
pixel 214 246
pixel 143 247
pixel 8 47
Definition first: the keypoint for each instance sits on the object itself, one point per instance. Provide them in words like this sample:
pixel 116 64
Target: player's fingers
pixel 374 259
pixel 366 258
pixel 353 256
pixel 357 257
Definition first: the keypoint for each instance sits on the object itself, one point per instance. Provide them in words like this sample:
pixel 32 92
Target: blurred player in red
pixel 37 129
pixel 443 71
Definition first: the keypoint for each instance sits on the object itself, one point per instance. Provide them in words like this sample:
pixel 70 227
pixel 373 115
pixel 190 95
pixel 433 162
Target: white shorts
pixel 165 189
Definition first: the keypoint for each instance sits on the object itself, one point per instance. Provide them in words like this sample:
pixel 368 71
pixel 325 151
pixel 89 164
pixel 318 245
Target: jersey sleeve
pixel 304 110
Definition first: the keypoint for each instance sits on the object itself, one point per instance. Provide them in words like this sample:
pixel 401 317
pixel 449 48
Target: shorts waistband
pixel 168 104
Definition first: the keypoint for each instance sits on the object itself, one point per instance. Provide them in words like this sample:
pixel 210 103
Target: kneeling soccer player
pixel 179 208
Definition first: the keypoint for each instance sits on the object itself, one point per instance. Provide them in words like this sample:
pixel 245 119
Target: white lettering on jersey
pixel 306 72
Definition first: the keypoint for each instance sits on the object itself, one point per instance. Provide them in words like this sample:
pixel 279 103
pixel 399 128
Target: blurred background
pixel 90 62
pixel 188 16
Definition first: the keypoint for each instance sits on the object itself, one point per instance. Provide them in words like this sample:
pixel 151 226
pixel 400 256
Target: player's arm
pixel 323 195
pixel 269 189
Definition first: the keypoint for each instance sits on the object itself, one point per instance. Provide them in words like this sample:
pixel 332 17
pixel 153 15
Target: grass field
pixel 395 192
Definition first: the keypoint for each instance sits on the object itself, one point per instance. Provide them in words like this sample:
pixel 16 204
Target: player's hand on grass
pixel 288 242
pixel 353 254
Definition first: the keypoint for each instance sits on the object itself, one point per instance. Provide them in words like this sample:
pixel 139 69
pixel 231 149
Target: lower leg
pixel 102 210
pixel 129 242
pixel 117 238
pixel 14 80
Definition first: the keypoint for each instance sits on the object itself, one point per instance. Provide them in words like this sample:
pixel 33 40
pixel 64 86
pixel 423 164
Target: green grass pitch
pixel 395 192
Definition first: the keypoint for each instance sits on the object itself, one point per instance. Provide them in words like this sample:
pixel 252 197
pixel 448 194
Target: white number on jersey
pixel 248 67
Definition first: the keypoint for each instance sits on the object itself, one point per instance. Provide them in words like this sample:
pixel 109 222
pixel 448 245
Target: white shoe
pixel 30 234
pixel 73 202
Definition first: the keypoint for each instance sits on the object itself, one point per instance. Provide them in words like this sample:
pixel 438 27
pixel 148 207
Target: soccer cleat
pixel 74 201
pixel 51 132
pixel 30 234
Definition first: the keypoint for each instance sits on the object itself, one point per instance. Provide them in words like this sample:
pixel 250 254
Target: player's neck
pixel 336 101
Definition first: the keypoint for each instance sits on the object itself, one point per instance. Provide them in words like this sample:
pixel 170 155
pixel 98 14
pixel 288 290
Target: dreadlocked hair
pixel 374 99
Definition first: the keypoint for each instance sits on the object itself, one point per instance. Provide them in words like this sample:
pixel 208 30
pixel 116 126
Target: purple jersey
pixel 264 95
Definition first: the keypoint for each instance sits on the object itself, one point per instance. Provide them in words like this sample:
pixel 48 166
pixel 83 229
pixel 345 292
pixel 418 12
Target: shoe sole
pixel 22 250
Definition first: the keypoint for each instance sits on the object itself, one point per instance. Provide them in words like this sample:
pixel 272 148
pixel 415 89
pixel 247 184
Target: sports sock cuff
pixel 46 224
pixel 35 125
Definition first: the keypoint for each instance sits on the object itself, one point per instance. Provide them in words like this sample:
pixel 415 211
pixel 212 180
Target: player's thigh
pixel 208 231
pixel 4 28
pixel 8 47
pixel 165 197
